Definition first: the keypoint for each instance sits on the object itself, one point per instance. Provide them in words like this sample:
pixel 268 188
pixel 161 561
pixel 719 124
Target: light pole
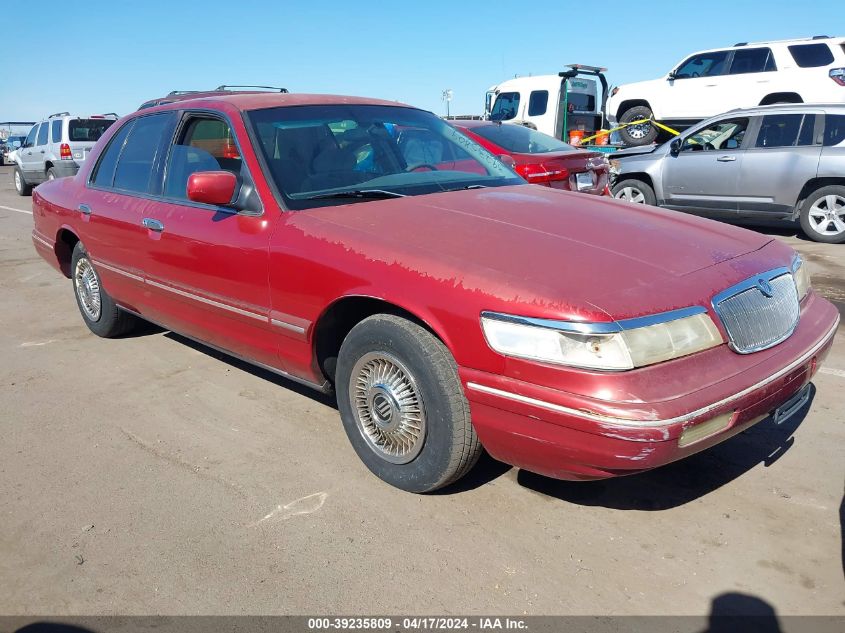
pixel 446 96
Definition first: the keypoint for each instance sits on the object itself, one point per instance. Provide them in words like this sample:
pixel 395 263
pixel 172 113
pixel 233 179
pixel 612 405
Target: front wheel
pixel 21 185
pixel 823 215
pixel 402 405
pixel 99 311
pixel 636 191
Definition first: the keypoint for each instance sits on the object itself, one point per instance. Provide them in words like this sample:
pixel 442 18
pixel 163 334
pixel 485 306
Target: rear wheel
pixel 51 174
pixel 21 185
pixel 823 215
pixel 99 311
pixel 639 133
pixel 635 191
pixel 402 405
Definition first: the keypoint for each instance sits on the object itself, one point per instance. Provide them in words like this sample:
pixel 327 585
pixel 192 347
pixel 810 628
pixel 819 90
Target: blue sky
pixel 102 56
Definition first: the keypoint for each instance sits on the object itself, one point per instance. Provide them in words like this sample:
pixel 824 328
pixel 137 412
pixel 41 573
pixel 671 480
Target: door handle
pixel 153 225
pixel 726 159
pixel 42 151
pixel 84 209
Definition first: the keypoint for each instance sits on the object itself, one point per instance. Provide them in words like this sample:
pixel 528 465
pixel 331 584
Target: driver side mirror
pixel 212 187
pixel 675 146
pixel 671 76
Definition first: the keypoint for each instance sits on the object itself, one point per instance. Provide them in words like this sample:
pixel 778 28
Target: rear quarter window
pixel 56 131
pixel 811 55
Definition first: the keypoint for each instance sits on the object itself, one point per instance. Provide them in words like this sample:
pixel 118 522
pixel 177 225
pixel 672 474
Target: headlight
pixel 802 276
pixel 609 346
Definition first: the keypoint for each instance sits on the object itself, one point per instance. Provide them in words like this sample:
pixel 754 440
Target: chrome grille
pixel 755 321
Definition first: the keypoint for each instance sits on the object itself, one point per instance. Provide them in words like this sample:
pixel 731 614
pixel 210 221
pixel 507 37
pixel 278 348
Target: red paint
pixel 551 169
pixel 213 187
pixel 446 257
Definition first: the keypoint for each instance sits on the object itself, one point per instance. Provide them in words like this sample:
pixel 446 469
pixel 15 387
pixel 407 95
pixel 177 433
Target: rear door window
pixel 811 55
pixel 42 133
pixel 752 60
pixel 56 131
pixel 782 130
pixel 87 130
pixel 140 153
pixel 834 129
pixel 506 106
pixel 538 102
pixel 104 172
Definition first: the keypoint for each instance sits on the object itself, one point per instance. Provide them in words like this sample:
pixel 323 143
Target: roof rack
pixel 269 88
pixel 174 93
pixel 741 44
pixel 59 114
pixel 821 37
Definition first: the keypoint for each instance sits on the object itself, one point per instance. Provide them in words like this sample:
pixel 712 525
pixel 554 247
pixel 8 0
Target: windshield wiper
pixel 374 194
pixel 468 187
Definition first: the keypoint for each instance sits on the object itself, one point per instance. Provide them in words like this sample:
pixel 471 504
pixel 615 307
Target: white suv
pixel 745 75
pixel 57 147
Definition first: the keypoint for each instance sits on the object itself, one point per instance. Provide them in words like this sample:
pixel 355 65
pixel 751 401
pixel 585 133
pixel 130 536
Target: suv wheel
pixel 402 404
pixel 823 215
pixel 641 133
pixel 21 185
pixel 633 190
pixel 51 174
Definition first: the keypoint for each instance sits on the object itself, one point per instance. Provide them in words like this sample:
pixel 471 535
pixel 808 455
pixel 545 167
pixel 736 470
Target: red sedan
pixel 541 159
pixel 370 248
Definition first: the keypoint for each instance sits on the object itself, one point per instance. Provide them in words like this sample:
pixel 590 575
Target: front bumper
pixel 552 433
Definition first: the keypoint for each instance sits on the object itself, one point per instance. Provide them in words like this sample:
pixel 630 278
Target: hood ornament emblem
pixel 765 287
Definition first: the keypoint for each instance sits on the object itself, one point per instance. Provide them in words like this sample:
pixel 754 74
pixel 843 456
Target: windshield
pixel 87 129
pixel 316 154
pixel 520 139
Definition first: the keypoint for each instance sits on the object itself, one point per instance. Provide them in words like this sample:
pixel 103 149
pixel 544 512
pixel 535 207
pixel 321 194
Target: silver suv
pixel 57 147
pixel 782 162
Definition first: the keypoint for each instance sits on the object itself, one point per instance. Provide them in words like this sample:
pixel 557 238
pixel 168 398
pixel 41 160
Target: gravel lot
pixel 152 475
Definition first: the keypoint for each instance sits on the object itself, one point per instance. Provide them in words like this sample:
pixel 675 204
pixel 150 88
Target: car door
pixel 206 267
pixel 118 194
pixel 694 87
pixel 783 156
pixel 29 153
pixel 701 174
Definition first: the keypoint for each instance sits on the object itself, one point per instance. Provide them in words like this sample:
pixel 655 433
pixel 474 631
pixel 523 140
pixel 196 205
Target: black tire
pixel 635 191
pixel 52 174
pixel 110 320
pixel 818 205
pixel 21 186
pixel 642 134
pixel 447 447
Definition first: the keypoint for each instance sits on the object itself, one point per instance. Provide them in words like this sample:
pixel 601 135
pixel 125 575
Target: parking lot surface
pixel 152 475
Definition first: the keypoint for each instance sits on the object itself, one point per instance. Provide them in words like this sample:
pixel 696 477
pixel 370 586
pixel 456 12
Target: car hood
pixel 536 249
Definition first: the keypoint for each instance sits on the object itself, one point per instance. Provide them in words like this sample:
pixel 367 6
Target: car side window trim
pixel 244 178
pixel 158 174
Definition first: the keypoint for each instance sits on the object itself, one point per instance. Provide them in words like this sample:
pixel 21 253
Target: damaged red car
pixel 369 248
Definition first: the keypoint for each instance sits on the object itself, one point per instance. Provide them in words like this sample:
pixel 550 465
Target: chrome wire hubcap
pixel 631 194
pixel 87 288
pixel 388 407
pixel 827 215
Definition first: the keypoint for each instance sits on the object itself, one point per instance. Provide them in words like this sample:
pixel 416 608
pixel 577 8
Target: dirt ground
pixel 150 475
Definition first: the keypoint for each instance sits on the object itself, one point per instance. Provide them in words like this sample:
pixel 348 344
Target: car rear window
pixel 811 55
pixel 834 129
pixel 520 139
pixel 752 60
pixel 81 130
pixel 786 130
